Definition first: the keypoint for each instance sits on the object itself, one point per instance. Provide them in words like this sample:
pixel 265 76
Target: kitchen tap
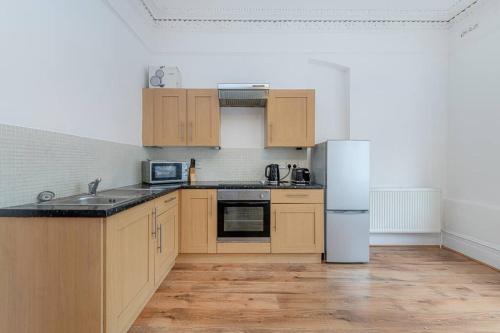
pixel 93 186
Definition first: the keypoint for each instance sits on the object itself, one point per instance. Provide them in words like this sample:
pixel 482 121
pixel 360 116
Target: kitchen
pixel 375 221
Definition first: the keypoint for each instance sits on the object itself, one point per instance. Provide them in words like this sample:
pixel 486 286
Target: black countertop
pixel 227 185
pixel 47 210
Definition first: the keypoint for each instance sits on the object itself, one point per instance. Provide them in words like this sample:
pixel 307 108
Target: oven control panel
pixel 243 195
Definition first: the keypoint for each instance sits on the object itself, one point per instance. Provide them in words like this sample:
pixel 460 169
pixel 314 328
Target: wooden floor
pixel 403 289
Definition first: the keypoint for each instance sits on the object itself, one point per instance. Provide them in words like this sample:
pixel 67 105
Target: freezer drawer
pixel 347 236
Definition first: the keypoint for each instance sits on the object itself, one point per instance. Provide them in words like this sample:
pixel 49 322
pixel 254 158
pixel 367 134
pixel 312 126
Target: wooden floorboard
pixel 402 289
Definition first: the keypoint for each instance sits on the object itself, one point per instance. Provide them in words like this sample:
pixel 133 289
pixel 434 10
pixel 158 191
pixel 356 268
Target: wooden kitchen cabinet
pixel 167 235
pixel 180 117
pixel 130 269
pixel 290 118
pixel 85 275
pixel 198 228
pixel 297 196
pixel 51 275
pixel 297 228
pixel 97 274
pixel 203 117
pixel 164 117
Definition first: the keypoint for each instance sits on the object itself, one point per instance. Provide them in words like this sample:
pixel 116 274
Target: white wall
pixel 386 85
pixel 390 88
pixel 472 201
pixel 71 67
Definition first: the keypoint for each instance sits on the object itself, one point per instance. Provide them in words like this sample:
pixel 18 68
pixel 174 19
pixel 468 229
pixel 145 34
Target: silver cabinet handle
pixel 153 222
pixel 168 200
pixel 297 195
pixel 183 130
pixel 270 132
pixel 160 239
pixel 191 131
pixel 275 222
pixel 210 212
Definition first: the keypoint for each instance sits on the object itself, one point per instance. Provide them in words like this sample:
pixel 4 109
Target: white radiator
pixel 405 210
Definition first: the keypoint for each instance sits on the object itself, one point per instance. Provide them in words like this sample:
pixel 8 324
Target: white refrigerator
pixel 343 167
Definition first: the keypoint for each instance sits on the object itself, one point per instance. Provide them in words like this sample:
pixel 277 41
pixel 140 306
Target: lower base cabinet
pixel 198 231
pixel 297 228
pixel 51 275
pixel 130 265
pixel 84 275
pixel 141 247
pixel 167 240
pixel 97 274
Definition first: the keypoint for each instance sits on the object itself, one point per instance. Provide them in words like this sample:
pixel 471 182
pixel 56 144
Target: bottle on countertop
pixel 192 170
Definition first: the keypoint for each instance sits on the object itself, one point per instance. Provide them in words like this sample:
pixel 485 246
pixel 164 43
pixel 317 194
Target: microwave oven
pixel 160 172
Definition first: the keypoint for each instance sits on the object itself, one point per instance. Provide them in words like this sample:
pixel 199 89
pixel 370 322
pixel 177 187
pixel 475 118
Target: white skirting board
pixel 473 248
pixel 405 239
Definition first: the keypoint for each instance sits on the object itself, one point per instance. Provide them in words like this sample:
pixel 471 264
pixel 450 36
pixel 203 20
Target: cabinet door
pixel 290 118
pixel 130 250
pixel 169 117
pixel 166 243
pixel 203 117
pixel 297 228
pixel 198 227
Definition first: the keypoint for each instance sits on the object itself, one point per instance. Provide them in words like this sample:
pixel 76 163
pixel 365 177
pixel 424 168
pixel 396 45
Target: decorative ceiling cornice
pixel 314 17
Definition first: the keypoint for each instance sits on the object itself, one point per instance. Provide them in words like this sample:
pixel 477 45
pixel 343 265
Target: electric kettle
pixel 272 173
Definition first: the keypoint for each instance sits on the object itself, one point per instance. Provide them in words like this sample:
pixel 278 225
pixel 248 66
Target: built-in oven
pixel 243 215
pixel 160 172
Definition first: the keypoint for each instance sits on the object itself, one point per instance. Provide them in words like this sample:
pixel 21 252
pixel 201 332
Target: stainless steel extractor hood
pixel 243 94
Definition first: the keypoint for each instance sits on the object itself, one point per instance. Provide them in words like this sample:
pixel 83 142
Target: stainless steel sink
pixel 89 200
pixel 125 193
pixel 105 198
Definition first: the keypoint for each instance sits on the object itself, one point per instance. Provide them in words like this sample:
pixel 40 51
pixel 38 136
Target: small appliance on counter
pixel 161 172
pixel 300 176
pixel 272 173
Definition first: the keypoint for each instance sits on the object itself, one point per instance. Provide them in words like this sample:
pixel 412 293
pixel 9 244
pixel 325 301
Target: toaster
pixel 300 176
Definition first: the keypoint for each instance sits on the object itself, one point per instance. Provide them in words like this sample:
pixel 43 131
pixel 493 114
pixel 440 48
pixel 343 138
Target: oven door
pixel 243 219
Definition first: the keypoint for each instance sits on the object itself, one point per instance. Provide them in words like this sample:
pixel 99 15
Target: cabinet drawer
pixel 166 202
pixel 297 196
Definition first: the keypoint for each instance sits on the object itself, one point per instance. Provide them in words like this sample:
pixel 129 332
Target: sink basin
pixel 125 193
pixel 105 198
pixel 89 200
pixel 100 200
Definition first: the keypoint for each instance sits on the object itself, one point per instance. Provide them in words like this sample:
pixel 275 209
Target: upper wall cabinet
pixel 203 117
pixel 180 117
pixel 164 117
pixel 290 118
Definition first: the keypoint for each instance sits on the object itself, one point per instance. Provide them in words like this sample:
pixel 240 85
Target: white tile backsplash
pixel 232 163
pixel 33 160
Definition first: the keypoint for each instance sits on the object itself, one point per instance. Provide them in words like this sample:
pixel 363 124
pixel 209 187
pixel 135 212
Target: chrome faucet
pixel 93 186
